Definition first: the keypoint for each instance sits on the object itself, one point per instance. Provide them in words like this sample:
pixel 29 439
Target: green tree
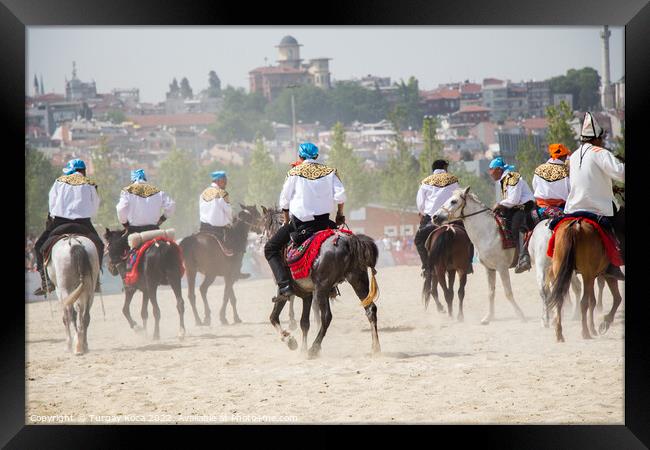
pixel 409 103
pixel 559 130
pixel 349 168
pixel 242 117
pixel 214 83
pixel 399 180
pixel 432 146
pixel 178 178
pixel 174 89
pixel 186 90
pixel 528 157
pixel 39 176
pixel 264 177
pixel 583 84
pixel 108 185
pixel 116 116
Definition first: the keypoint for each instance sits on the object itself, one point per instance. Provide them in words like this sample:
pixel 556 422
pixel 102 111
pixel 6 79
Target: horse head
pixel 272 219
pixel 453 208
pixel 251 216
pixel 117 249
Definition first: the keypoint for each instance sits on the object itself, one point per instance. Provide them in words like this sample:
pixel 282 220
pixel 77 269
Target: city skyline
pixel 459 53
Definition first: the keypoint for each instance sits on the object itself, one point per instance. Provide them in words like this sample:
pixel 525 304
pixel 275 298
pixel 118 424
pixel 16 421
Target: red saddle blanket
pixel 302 257
pixel 611 249
pixel 133 275
pixel 507 238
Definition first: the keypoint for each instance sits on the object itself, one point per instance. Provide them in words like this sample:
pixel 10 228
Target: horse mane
pixel 474 197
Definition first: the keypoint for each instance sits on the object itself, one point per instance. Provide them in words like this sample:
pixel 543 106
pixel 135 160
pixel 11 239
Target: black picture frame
pixel 16 15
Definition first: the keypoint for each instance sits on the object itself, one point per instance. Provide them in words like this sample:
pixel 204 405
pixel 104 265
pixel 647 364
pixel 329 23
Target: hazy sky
pixel 149 57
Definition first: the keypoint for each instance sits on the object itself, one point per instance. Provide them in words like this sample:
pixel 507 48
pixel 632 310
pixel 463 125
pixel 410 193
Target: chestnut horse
pixel 578 247
pixel 448 248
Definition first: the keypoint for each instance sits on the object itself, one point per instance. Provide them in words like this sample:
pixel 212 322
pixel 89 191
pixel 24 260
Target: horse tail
pixel 172 254
pixel 81 262
pixel 188 245
pixel 441 245
pixel 364 250
pixel 565 253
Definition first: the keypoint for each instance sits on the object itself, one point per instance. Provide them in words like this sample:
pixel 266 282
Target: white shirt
pixel 305 197
pixel 73 201
pixel 558 189
pixel 143 210
pixel 515 195
pixel 430 197
pixel 217 212
pixel 591 184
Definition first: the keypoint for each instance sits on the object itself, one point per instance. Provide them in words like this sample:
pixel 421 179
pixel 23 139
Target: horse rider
pixel 591 171
pixel 73 199
pixel 308 195
pixel 434 191
pixel 215 211
pixel 142 206
pixel 551 182
pixel 516 204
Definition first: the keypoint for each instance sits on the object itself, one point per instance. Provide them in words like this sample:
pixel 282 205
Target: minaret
pixel 35 85
pixel 607 91
pixel 42 88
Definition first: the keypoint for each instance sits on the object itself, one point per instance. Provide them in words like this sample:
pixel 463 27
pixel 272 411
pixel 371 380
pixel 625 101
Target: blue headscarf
pixel 138 175
pixel 218 174
pixel 498 163
pixel 73 166
pixel 308 150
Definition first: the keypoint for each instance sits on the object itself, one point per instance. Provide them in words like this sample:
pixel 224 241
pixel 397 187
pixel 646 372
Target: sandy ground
pixel 432 369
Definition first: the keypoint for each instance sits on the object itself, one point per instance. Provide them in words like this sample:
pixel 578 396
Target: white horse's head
pixel 452 209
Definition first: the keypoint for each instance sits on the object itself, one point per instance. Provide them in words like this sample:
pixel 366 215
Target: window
pixel 406 230
pixel 390 231
pixel 358 214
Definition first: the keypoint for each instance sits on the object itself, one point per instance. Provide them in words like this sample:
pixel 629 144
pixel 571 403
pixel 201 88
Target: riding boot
pixel 46 283
pixel 282 277
pixel 524 258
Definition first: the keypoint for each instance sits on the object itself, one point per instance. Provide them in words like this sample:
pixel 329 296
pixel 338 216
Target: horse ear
pixel 465 191
pixel 242 206
pixel 264 210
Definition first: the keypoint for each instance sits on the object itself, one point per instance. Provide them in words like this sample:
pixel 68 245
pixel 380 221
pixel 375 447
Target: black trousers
pixel 51 225
pixel 519 219
pixel 281 238
pixel 219 232
pixel 426 227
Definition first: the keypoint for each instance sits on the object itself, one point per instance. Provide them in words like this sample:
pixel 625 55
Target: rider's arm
pixel 338 190
pixel 123 208
pixel 287 192
pixel 419 200
pixel 610 165
pixel 513 194
pixel 168 205
pixel 94 196
pixel 54 193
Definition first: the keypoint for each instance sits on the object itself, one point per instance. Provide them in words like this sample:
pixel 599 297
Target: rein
pixel 462 215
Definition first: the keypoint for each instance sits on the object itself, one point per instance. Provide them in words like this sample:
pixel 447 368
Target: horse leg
pixel 144 313
pixel 505 280
pixel 558 324
pixel 67 318
pixel 426 290
pixel 434 291
pixel 322 300
pixel 292 316
pixel 153 297
pixel 315 308
pixel 175 283
pixel 304 319
pixel 592 306
pixel 588 292
pixel 449 292
pixel 191 294
pixel 285 336
pixel 609 317
pixel 205 284
pixel 233 301
pixel 126 308
pixel 492 280
pixel 601 287
pixel 461 295
pixel 540 275
pixel 576 291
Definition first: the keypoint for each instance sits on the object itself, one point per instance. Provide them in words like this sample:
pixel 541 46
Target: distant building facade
pixel 77 90
pixel 290 71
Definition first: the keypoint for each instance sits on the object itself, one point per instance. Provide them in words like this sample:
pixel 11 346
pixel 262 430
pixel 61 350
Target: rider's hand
pixel 498 208
pixel 161 220
pixel 340 219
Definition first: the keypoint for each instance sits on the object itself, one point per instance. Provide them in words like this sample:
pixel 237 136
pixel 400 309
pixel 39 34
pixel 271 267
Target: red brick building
pixel 440 101
pixel 378 221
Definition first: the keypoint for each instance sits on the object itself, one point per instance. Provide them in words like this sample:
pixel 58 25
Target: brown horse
pixel 578 247
pixel 204 254
pixel 449 251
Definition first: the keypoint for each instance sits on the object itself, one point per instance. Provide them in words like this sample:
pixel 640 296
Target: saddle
pixel 133 262
pixel 301 257
pixel 226 251
pixel 62 231
pixel 429 241
pixel 510 239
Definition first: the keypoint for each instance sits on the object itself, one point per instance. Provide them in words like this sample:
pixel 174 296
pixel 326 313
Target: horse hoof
pixel 237 320
pixel 224 322
pixel 586 336
pixel 461 318
pixel 545 324
pixel 313 354
pixel 293 325
pixel 602 329
pixel 485 322
pixel 181 335
pixel 292 343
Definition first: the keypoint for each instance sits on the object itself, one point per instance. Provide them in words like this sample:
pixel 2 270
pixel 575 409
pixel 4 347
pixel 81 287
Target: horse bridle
pixel 462 210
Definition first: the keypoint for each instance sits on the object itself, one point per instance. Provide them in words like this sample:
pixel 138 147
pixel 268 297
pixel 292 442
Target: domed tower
pixel 289 53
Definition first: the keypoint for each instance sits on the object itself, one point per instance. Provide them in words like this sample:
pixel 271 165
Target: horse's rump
pixel 443 243
pixel 167 254
pixel 63 230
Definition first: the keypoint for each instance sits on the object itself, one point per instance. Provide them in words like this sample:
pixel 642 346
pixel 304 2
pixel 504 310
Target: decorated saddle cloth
pixel 508 238
pixel 609 242
pixel 301 257
pixel 549 212
pixel 135 256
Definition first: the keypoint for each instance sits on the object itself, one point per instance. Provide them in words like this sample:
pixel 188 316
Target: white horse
pixel 484 233
pixel 73 268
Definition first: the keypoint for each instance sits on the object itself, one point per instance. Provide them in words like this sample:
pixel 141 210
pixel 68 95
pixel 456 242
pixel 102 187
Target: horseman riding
pixel 73 200
pixel 515 206
pixel 321 255
pixel 551 184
